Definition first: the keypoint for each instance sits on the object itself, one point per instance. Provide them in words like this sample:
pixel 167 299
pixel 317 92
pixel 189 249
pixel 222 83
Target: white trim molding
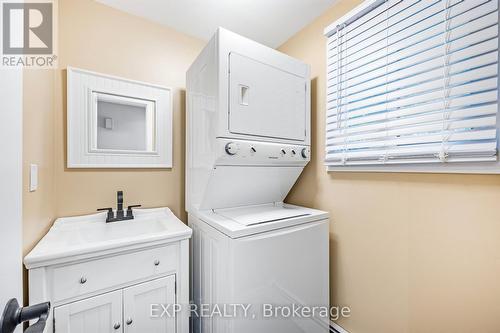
pixel 337 328
pixel 86 90
pixel 11 117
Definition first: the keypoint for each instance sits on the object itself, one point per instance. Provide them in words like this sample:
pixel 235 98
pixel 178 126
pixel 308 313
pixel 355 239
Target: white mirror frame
pixel 85 89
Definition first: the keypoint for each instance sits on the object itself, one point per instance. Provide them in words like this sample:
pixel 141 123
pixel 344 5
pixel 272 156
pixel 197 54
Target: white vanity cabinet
pixel 137 302
pixel 98 314
pixel 106 277
pixel 127 310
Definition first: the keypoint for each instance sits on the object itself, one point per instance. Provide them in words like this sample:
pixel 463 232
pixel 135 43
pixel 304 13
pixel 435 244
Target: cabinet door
pixel 137 304
pixel 99 314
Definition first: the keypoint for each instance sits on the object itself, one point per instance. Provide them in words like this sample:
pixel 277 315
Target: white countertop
pixel 89 236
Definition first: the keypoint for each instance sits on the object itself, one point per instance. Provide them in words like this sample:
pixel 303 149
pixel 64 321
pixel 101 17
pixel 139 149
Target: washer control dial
pixel 231 148
pixel 304 153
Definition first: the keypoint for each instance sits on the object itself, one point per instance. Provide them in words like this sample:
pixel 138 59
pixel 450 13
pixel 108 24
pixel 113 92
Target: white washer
pixel 258 255
pixel 248 140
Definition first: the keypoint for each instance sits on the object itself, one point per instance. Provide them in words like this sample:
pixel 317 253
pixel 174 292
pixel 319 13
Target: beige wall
pixel 102 39
pixel 38 148
pixel 99 38
pixel 409 252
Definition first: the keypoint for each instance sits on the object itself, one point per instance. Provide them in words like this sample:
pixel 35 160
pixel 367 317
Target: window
pixel 412 86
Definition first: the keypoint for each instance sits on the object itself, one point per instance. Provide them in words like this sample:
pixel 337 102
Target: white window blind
pixel 413 82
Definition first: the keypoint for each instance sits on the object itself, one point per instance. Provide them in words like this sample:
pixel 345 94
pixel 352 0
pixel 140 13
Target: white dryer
pixel 248 140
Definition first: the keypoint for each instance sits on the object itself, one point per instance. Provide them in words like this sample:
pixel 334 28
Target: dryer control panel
pixel 243 152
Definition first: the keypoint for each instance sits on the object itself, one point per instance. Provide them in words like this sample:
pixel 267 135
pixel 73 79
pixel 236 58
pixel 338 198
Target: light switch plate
pixel 33 177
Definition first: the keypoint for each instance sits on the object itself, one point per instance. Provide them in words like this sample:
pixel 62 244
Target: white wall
pixel 129 127
pixel 11 85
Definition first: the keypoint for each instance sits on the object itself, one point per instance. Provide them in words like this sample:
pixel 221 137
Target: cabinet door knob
pixel 129 321
pixel 117 326
pixel 83 280
pixel 157 262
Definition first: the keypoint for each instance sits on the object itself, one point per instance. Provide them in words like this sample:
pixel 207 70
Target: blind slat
pixel 431 106
pixel 379 29
pixel 419 84
pixel 359 26
pixel 424 21
pixel 428 59
pixel 488 134
pixel 403 117
pixel 428 93
pixel 433 149
pixel 433 119
pixel 486 54
pixel 413 82
pixel 418 50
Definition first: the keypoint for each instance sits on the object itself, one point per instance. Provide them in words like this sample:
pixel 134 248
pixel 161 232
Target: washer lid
pixel 252 215
pixel 256 219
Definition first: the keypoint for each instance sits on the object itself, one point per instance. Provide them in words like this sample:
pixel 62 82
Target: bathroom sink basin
pixel 85 236
pixel 116 230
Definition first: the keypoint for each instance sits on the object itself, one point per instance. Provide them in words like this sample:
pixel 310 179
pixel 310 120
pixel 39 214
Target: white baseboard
pixel 337 327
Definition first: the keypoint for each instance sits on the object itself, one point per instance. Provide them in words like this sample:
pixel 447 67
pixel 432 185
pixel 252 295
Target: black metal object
pixel 129 210
pixel 14 315
pixel 119 204
pixel 111 214
pixel 120 216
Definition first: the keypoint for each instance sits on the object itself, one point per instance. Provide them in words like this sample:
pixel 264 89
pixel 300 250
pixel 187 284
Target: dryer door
pixel 265 101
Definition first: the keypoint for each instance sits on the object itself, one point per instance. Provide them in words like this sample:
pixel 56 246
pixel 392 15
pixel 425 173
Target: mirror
pixel 117 123
pixel 123 124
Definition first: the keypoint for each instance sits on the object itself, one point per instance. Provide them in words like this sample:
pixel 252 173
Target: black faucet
pixel 119 204
pixel 120 216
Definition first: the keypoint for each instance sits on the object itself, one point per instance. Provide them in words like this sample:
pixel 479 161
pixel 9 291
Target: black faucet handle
pixel 129 209
pixel 111 215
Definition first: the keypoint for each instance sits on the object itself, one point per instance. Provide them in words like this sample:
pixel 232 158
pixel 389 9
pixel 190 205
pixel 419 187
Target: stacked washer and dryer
pixel 248 140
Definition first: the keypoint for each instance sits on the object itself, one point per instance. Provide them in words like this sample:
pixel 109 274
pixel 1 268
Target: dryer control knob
pixel 231 148
pixel 304 153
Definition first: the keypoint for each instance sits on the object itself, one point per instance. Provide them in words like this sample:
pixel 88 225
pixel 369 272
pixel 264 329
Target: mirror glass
pixel 123 124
